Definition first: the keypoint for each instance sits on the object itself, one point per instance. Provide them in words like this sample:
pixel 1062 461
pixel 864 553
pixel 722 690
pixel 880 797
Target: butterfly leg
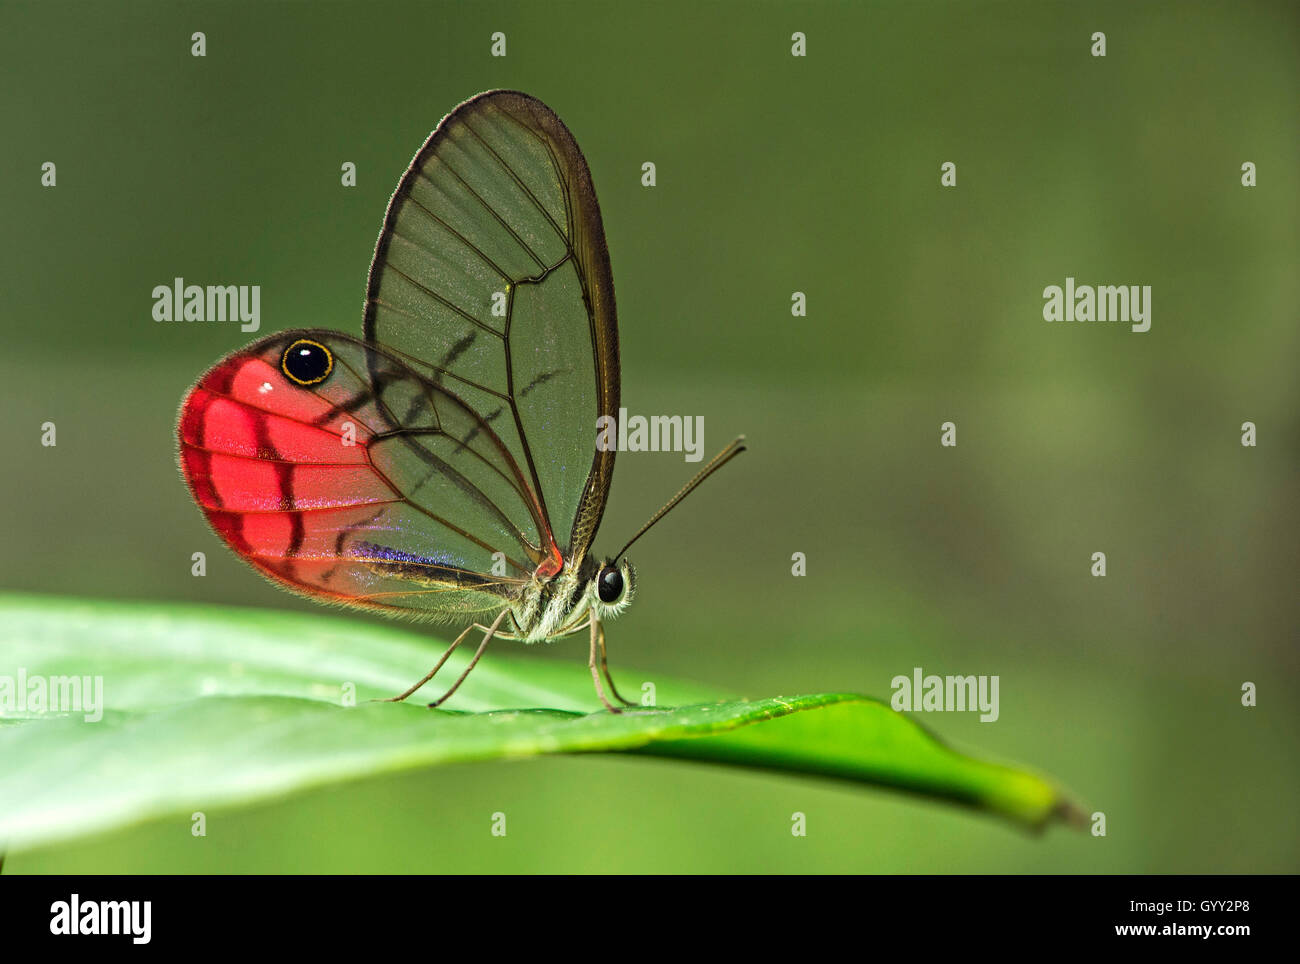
pixel 437 666
pixel 487 638
pixel 595 671
pixel 433 672
pixel 604 664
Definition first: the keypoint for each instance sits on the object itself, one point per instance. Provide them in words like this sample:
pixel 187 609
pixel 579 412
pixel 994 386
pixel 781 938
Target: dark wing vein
pixel 492 211
pixel 460 237
pixel 522 186
pixel 446 303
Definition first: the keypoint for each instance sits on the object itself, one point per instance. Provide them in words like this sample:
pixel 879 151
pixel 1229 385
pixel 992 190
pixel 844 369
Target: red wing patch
pixel 285 476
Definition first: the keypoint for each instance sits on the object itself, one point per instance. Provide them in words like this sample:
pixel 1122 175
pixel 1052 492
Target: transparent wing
pixel 491 279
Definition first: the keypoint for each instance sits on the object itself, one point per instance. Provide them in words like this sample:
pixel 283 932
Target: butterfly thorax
pixel 567 602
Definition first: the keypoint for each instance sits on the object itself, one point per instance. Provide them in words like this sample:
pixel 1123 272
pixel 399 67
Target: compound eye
pixel 307 362
pixel 610 585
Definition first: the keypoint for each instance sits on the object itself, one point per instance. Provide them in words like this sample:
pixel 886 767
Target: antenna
pixel 717 462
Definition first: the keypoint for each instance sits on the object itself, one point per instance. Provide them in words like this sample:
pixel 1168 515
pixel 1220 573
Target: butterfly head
pixel 612 588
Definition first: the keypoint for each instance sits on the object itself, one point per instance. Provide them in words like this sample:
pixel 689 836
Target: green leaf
pixel 211 707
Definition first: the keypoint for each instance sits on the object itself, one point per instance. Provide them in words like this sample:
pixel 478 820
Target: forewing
pixel 376 487
pixel 491 278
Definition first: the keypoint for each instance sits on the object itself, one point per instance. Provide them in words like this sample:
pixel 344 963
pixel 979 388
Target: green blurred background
pixel 775 175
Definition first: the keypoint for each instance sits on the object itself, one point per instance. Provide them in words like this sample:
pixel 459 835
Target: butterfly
pixel 447 464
